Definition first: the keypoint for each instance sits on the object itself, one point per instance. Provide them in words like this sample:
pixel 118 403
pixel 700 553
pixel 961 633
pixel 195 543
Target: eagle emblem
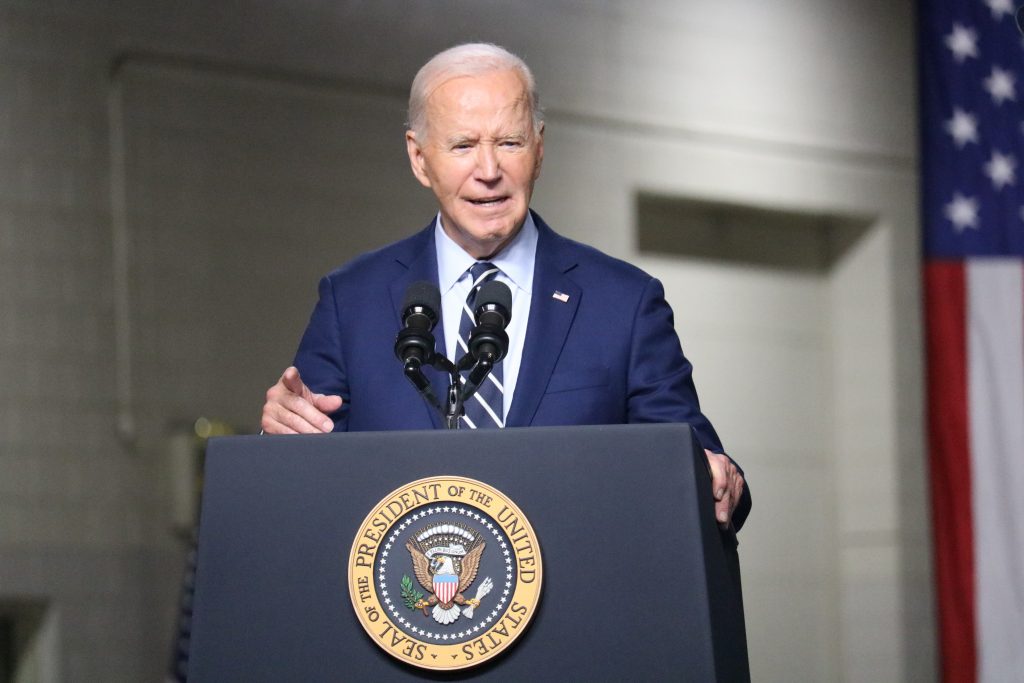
pixel 445 559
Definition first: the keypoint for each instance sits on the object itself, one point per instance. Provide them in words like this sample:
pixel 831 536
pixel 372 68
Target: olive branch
pixel 410 596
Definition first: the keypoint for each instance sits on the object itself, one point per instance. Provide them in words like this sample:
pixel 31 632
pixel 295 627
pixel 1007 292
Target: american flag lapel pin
pixel 561 296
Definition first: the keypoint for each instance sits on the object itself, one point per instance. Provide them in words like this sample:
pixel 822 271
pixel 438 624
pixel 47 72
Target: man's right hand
pixel 291 408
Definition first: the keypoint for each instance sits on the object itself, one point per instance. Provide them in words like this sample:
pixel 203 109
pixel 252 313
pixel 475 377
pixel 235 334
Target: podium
pixel 639 583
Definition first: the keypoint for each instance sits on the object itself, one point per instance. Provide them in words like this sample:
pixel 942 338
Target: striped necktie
pixel 484 409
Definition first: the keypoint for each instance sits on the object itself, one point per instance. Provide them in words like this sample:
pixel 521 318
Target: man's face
pixel 480 157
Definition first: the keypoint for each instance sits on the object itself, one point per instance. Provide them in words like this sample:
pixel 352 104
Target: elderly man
pixel 591 337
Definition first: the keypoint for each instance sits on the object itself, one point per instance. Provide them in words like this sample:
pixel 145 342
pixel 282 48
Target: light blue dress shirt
pixel 516 262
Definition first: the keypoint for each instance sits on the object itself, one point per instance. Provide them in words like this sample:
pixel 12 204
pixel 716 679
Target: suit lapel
pixel 552 309
pixel 420 263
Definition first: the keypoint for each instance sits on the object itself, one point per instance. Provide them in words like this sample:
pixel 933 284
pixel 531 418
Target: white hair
pixel 468 59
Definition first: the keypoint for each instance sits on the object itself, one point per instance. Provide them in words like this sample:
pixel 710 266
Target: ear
pixel 540 152
pixel 416 159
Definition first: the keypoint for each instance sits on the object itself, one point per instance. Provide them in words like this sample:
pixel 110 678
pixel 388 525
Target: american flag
pixel 972 70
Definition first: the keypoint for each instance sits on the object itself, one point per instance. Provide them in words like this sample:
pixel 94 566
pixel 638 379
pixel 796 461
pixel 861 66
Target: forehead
pixel 482 100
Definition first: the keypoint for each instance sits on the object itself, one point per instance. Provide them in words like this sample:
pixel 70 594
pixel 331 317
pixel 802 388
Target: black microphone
pixel 415 342
pixel 493 313
pixel 414 345
pixel 488 342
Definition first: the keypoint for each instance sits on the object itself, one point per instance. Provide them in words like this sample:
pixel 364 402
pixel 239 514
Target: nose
pixel 488 168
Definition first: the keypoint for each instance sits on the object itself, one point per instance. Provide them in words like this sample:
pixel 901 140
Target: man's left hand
pixel 726 486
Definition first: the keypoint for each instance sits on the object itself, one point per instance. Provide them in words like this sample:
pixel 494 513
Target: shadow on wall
pixel 27 641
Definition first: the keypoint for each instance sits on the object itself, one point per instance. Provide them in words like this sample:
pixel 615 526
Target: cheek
pixel 527 170
pixel 451 179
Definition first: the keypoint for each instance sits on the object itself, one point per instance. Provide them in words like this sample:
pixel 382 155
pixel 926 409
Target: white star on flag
pixel 963 42
pixel 1000 169
pixel 963 212
pixel 1001 85
pixel 999 8
pixel 963 127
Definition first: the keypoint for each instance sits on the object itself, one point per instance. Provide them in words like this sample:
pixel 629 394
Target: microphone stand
pixel 454 406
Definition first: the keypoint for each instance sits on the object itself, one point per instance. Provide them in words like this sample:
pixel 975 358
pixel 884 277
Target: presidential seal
pixel 445 573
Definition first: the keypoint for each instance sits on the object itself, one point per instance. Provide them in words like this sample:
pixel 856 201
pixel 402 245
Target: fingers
pixel 723 511
pixel 737 492
pixel 326 403
pixel 726 486
pixel 291 408
pixel 719 465
pixel 279 420
pixel 291 381
pixel 297 414
pixel 269 426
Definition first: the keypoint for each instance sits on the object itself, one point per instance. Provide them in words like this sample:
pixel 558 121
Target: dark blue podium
pixel 638 581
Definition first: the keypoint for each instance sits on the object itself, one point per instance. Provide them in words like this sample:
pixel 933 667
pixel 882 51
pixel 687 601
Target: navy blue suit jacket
pixel 607 355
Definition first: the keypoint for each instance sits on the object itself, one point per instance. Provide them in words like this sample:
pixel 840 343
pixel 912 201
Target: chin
pixel 488 234
pixel 500 228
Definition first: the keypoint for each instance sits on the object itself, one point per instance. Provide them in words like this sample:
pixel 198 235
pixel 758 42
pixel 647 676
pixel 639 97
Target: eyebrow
pixel 458 139
pixel 512 135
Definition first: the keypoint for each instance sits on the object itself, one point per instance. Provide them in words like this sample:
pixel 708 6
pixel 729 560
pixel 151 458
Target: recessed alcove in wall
pixel 785 315
pixel 742 234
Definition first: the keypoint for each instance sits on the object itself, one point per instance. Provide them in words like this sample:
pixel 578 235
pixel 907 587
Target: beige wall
pixel 171 179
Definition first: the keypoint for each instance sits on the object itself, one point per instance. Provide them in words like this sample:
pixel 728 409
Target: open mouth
pixel 488 201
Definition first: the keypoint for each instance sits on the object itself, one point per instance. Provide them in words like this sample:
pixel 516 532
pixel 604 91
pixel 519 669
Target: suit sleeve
pixel 660 383
pixel 320 358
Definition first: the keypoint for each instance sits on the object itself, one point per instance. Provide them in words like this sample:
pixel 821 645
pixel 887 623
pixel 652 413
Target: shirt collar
pixel 516 260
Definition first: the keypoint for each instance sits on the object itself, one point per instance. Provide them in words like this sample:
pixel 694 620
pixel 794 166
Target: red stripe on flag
pixel 949 445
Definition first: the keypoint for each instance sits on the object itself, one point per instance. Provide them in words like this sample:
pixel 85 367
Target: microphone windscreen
pixel 495 293
pixel 423 294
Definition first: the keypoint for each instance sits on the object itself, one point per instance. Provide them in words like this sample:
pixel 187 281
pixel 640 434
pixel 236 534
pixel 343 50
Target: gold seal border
pixel 370 538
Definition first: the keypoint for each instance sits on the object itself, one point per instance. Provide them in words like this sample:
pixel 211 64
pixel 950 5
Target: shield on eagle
pixel 446 586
